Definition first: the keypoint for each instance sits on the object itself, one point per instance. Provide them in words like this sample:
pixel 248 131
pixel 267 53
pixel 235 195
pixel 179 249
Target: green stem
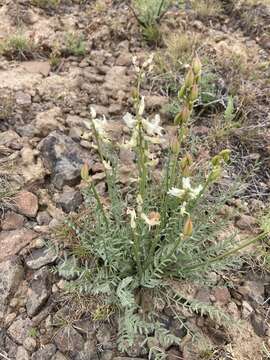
pixel 136 250
pixel 100 205
pixel 228 253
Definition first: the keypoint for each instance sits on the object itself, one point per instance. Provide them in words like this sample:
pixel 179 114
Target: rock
pixel 11 348
pixel 63 157
pixel 106 355
pixel 252 290
pixel 127 358
pixel 37 67
pixel 222 295
pixel 7 137
pixel 12 242
pixel 38 293
pixel 124 59
pixel 18 79
pixel 59 356
pixel 203 295
pixel 45 353
pixel 22 354
pixel 75 121
pixel 43 218
pixel 68 339
pixel 155 102
pixel 19 329
pixel 40 257
pixel 70 200
pixel 116 79
pixel 30 344
pixel 23 99
pixel 26 203
pixel 12 221
pixel 259 324
pixel 75 133
pixel 138 348
pixel 247 309
pixel 47 121
pixel 104 336
pixel 12 273
pixel 246 222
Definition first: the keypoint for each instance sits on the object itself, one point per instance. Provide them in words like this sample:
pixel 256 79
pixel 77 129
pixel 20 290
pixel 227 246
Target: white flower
pixel 148 62
pixel 129 120
pixel 107 165
pixel 152 127
pixel 176 192
pixel 134 61
pixel 133 216
pixel 93 112
pixel 183 209
pixel 187 190
pixel 100 126
pixel 132 143
pixel 141 106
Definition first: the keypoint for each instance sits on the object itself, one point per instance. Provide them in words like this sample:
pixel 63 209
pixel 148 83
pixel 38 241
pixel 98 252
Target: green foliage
pixel 75 45
pixel 17 47
pixel 33 332
pixel 46 4
pixel 161 230
pixel 149 14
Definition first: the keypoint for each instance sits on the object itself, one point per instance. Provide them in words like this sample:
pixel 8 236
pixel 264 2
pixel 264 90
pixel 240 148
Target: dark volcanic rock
pixel 63 157
pixel 38 293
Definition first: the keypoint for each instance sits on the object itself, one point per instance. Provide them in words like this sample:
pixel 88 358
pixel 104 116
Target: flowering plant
pixel 158 232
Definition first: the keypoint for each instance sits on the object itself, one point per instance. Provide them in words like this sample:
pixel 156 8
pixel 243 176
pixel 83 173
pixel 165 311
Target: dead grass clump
pixel 206 8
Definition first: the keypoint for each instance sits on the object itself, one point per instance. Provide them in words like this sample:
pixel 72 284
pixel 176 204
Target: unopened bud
pixel 188 228
pixel 183 116
pixel 216 160
pixel 185 164
pixel 197 65
pixel 186 161
pixel 175 145
pixel 85 172
pixel 181 92
pixel 215 174
pixel 189 80
pixel 225 154
pixel 194 93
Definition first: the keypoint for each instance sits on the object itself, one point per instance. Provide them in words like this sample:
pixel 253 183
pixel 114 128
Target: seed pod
pixel 175 145
pixel 194 93
pixel 188 228
pixel 189 80
pixel 183 116
pixel 181 92
pixel 85 172
pixel 197 65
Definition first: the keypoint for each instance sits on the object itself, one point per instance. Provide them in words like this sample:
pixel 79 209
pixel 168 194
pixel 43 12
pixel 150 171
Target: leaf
pixel 229 112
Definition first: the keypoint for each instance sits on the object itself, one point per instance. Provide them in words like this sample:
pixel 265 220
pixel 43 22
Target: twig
pixel 136 16
pixel 4 356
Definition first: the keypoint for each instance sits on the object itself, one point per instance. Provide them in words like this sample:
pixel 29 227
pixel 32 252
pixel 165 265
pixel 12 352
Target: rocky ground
pixel 45 97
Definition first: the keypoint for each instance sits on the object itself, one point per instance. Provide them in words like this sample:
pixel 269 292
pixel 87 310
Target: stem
pixel 136 250
pixel 160 8
pixel 228 253
pixel 100 205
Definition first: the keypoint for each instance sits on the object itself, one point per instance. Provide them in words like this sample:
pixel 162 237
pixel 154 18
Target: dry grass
pixel 206 8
